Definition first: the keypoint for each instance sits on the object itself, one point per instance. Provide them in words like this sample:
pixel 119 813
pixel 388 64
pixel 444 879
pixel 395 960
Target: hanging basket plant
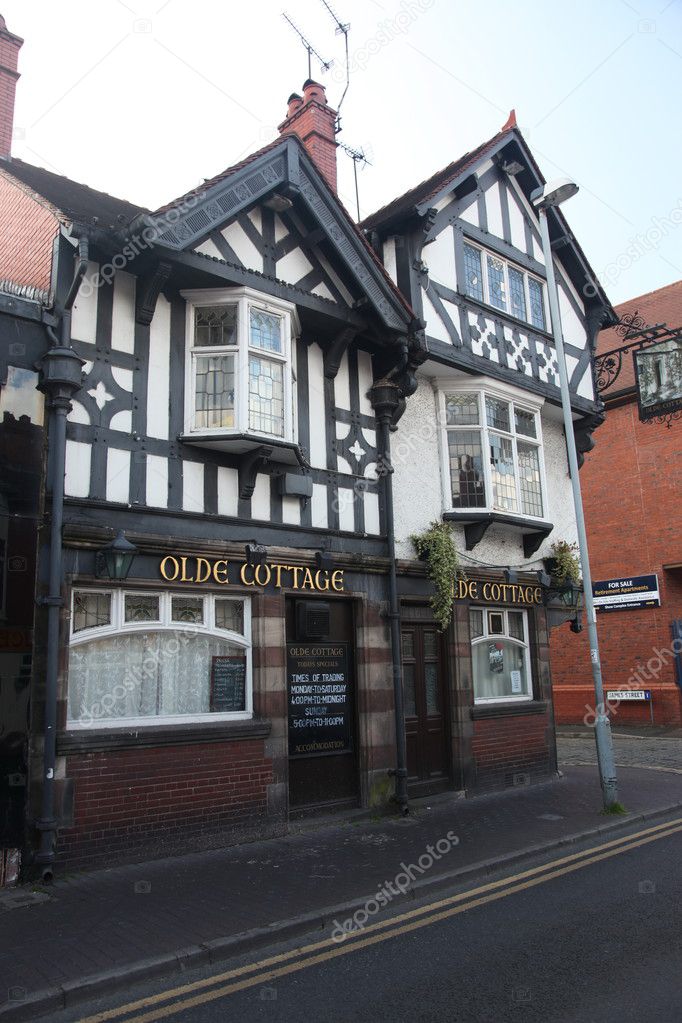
pixel 436 546
pixel 563 564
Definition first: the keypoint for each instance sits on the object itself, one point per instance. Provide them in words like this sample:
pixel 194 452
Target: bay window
pixel 493 453
pixel 143 657
pixel 489 278
pixel 500 655
pixel 239 366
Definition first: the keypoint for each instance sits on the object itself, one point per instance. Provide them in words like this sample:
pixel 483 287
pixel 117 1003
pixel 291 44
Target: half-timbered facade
pixel 481 446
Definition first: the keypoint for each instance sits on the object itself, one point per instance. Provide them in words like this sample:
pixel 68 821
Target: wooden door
pixel 424 691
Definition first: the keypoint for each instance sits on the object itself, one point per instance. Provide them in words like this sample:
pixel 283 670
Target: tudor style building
pixel 481 446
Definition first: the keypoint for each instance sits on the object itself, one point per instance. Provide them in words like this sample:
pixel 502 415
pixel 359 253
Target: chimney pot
pixel 294 103
pixel 9 59
pixel 314 91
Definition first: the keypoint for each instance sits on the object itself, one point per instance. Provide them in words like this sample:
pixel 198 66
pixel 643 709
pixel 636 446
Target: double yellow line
pixel 189 996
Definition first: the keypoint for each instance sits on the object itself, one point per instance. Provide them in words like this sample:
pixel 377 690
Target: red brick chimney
pixel 9 57
pixel 313 121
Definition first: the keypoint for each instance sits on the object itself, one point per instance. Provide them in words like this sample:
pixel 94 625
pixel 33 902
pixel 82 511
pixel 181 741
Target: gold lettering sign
pixel 190 569
pixel 498 593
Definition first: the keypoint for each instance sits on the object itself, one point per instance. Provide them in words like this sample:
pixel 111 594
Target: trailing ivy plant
pixel 436 546
pixel 566 568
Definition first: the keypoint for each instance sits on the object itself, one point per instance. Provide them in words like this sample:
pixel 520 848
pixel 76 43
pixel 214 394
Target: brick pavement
pixel 630 751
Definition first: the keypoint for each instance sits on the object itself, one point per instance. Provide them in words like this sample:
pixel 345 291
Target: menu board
pixel 228 683
pixel 319 697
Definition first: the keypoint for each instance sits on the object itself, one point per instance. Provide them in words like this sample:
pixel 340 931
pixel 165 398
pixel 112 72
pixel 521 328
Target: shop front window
pixel 156 658
pixel 500 655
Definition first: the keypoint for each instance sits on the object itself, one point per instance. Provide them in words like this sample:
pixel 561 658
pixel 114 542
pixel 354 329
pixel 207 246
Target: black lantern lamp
pixel 115 560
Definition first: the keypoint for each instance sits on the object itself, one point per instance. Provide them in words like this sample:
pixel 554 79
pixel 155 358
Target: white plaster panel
pixel 291 511
pixel 516 221
pixel 192 486
pixel 123 313
pixel 122 421
pixel 158 393
pixel 342 384
pixel 323 291
pixel 293 266
pixel 260 502
pixel 347 500
pixel 372 514
pixel 84 312
pixel 586 386
pixel 434 325
pixel 493 208
pixel 78 413
pixel 318 506
pixel 439 256
pixel 242 245
pixel 370 436
pixel 77 473
pixel 343 465
pixel 574 332
pixel 389 259
pixel 209 248
pixel 118 475
pixel 317 425
pixel 228 490
pixel 256 219
pixel 470 214
pixel 280 230
pixel 416 460
pixel 123 377
pixel 365 382
pixel 20 397
pixel 157 481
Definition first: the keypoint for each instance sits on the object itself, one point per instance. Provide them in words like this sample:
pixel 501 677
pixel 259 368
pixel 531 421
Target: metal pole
pixel 602 730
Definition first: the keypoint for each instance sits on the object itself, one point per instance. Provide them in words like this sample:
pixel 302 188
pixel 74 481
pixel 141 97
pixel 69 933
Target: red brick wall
pixel 503 747
pixel 27 231
pixel 631 487
pixel 150 801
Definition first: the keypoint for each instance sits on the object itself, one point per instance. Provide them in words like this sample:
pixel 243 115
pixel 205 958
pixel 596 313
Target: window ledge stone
pixel 476 523
pixel 95 740
pixel 505 710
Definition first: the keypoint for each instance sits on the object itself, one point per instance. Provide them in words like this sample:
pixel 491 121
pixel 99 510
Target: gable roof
pixel 71 200
pixel 661 306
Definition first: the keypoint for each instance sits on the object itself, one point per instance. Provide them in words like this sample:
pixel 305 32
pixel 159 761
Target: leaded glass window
pixel 537 305
pixel 503 285
pixel 215 392
pixel 462 409
pixel 91 610
pixel 142 607
pixel 465 456
pixel 517 293
pixel 215 325
pixel 496 283
pixel 266 396
pixel 500 655
pixel 266 331
pixel 472 272
pixel 187 609
pixel 529 476
pixel 229 614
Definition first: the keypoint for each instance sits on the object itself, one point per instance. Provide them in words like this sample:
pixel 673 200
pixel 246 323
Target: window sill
pixel 95 740
pixel 476 523
pixel 255 453
pixel 519 708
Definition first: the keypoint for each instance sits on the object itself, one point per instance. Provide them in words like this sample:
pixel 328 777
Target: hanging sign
pixel 319 697
pixel 658 370
pixel 626 594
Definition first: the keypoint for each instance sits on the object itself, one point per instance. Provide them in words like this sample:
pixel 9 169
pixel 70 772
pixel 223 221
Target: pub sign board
pixel 628 594
pixel 658 371
pixel 319 698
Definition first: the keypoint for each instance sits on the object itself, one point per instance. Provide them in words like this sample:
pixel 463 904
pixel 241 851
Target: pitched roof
pixel 430 187
pixel 74 201
pixel 661 306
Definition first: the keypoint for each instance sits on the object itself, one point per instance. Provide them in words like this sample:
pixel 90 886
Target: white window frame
pixel 118 626
pixel 486 286
pixel 513 396
pixel 245 299
pixel 487 636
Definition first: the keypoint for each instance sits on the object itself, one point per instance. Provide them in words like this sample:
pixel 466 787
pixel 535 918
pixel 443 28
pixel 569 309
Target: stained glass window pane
pixel 266 396
pixel 142 608
pixel 91 610
pixel 515 624
pixel 525 422
pixel 187 609
pixel 461 409
pixel 466 469
pixel 496 286
pixel 502 473
pixel 214 392
pixel 409 691
pixel 266 331
pixel 517 295
pixel 215 325
pixel 229 614
pixel 529 476
pixel 473 277
pixel 537 305
pixel 497 414
pixel 431 686
pixel 476 623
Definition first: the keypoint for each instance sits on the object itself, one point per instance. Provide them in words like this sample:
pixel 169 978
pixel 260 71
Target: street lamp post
pixel 543 198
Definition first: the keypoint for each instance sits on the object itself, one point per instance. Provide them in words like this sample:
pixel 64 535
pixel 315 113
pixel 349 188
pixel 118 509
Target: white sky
pixel 144 98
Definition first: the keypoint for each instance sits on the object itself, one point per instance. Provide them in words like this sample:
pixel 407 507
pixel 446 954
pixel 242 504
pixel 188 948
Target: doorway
pixel 424 688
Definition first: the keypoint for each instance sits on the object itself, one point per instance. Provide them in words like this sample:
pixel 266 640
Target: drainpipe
pixel 61 371
pixel 385 400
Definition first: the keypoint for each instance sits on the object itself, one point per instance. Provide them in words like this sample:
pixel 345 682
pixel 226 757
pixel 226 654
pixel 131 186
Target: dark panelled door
pixel 425 711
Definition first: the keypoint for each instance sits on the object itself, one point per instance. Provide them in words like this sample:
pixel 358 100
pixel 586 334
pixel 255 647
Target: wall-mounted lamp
pixel 255 554
pixel 116 559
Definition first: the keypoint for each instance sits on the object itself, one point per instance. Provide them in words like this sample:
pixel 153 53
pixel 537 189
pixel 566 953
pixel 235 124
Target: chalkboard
pixel 320 699
pixel 228 683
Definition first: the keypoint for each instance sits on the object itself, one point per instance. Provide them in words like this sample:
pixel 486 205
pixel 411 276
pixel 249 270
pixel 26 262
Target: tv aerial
pixel 312 52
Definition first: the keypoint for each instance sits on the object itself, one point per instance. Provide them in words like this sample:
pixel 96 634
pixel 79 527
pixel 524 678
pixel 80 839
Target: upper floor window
pixel 487 278
pixel 240 373
pixel 493 453
pixel 157 657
